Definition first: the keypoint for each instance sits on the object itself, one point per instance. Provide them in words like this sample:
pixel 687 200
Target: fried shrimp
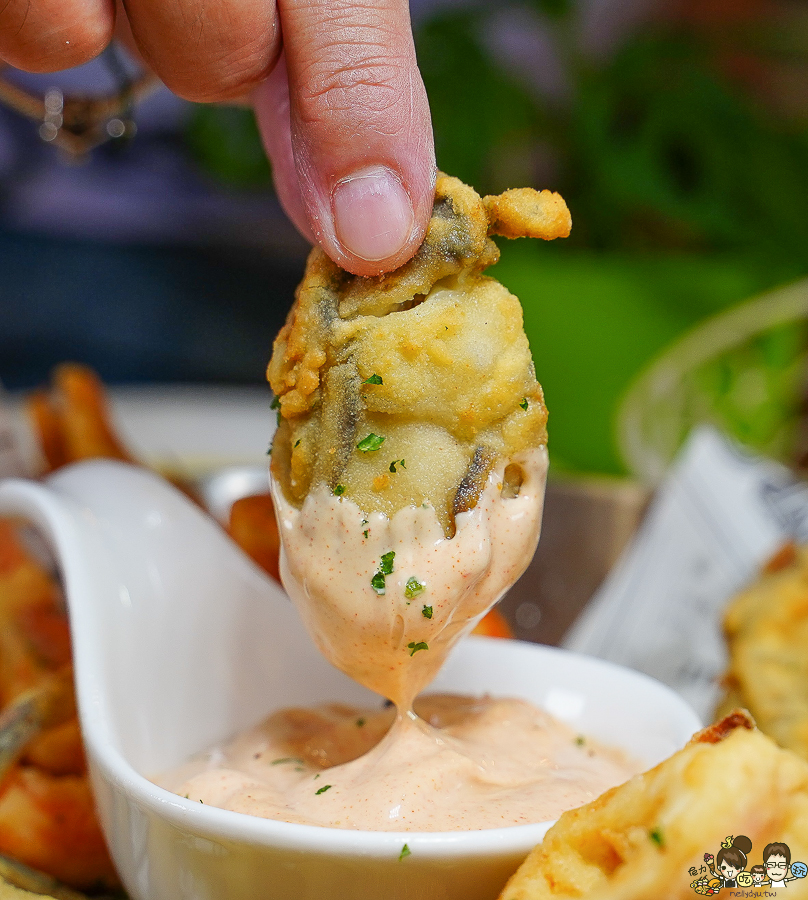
pixel 405 389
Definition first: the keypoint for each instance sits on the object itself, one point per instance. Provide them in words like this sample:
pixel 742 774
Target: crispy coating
pixel 766 627
pixel 432 358
pixel 523 212
pixel 639 841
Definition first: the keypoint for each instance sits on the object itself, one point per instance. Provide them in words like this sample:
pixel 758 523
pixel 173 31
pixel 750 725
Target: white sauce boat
pixel 180 641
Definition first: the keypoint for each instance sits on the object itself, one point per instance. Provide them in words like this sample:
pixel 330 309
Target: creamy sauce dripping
pixel 330 553
pixel 463 764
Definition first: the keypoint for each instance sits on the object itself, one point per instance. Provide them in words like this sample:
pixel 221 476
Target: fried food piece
pixel 254 528
pixel 48 822
pixel 766 627
pixel 640 840
pixel 406 388
pixel 47 815
pixel 72 421
pixel 493 624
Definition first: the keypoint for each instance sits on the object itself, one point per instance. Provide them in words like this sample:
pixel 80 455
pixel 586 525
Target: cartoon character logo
pixel 728 868
pixel 731 860
pixel 777 862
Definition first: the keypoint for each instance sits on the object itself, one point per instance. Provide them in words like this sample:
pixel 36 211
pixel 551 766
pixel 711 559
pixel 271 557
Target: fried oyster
pixel 647 838
pixel 406 388
pixel 766 627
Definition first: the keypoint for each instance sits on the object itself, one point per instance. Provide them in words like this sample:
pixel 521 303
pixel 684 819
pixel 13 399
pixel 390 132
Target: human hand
pixel 339 100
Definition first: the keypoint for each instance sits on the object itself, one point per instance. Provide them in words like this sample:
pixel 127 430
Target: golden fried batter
pixel 407 387
pixel 639 841
pixel 767 633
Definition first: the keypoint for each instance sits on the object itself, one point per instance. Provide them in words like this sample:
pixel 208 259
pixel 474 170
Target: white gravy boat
pixel 179 641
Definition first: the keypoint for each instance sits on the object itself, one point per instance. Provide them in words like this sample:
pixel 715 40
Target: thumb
pixel 360 128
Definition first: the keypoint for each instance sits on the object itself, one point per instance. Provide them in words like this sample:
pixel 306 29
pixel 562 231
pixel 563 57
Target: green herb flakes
pixel 360 723
pixel 413 588
pixel 323 789
pixel 656 837
pixel 385 568
pixel 524 404
pixel 397 462
pixel 414 648
pixel 269 450
pixel 377 583
pixel 276 404
pixel 374 379
pixel 297 442
pixel 405 852
pixel 366 532
pixel 426 612
pixel 286 759
pixel 371 443
pixel 339 490
pixel 580 740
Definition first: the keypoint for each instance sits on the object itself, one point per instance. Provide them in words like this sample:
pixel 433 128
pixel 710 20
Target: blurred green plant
pixel 687 195
pixel 225 143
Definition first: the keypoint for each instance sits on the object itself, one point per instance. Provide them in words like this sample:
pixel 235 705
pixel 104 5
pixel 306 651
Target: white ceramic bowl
pixel 179 641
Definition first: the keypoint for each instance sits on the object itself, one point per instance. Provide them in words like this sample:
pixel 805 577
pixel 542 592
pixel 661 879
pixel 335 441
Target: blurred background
pixel 677 132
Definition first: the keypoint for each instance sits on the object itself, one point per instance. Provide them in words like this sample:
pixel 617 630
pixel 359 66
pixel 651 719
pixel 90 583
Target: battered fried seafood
pixel 406 388
pixel 410 459
pixel 766 627
pixel 644 839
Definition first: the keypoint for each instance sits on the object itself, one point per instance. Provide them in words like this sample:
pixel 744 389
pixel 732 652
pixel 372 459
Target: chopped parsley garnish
pixel 405 852
pixel 366 532
pixel 360 723
pixel 397 462
pixel 580 740
pixel 269 450
pixel 414 648
pixel 413 588
pixel 377 583
pixel 385 568
pixel 371 443
pixel 297 442
pixel 187 797
pixel 523 404
pixel 339 490
pixel 276 404
pixel 656 837
pixel 323 789
pixel 286 759
pixel 374 379
pixel 426 612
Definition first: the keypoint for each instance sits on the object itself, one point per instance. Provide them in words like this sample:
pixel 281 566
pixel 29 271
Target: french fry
pixel 47 428
pixel 82 409
pixel 493 624
pixel 253 527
